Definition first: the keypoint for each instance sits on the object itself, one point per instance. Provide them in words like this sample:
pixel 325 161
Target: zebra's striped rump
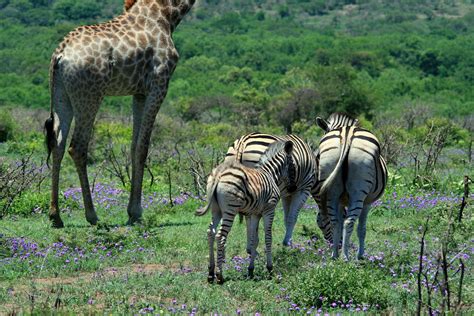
pixel 351 175
pixel 294 190
pixel 234 188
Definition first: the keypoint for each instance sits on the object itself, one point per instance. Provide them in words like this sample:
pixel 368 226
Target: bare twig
pixel 169 186
pixel 465 197
pixel 420 267
pixel 445 292
pixel 458 305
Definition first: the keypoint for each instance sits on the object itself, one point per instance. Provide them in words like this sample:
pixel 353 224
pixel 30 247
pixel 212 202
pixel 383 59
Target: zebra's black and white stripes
pixel 351 174
pixel 294 193
pixel 233 188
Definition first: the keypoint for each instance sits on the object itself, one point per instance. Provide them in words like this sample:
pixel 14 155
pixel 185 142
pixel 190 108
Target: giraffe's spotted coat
pixel 133 54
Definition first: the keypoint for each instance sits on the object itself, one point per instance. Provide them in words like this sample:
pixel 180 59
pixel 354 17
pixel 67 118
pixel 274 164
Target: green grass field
pixel 160 266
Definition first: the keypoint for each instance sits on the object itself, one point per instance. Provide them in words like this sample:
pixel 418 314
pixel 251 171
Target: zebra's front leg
pixel 267 222
pixel 226 225
pixel 253 232
pixel 211 234
pixel 353 212
pixel 361 229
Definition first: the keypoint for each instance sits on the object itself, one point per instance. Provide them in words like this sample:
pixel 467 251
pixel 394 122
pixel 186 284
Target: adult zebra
pixel 255 144
pixel 351 174
pixel 234 188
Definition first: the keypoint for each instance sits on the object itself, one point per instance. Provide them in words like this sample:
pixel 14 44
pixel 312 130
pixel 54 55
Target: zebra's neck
pixel 275 168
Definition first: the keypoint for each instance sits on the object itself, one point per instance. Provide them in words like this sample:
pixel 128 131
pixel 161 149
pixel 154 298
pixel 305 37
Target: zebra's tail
pixel 210 196
pixel 344 151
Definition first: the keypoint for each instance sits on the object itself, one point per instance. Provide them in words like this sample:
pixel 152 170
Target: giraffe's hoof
pixel 93 221
pixel 59 224
pixel 134 220
pixel 56 222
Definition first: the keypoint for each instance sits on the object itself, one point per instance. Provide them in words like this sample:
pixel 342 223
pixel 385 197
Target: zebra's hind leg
pixel 353 212
pixel 268 221
pixel 335 216
pixel 226 225
pixel 361 229
pixel 286 202
pixel 249 234
pixel 211 234
pixel 324 225
pixel 254 221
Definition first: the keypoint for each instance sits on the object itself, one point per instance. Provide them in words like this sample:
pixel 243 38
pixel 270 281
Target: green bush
pixel 7 126
pixel 339 283
pixel 30 203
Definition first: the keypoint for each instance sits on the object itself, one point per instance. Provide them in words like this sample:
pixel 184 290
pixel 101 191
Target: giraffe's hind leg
pixel 62 123
pixel 84 113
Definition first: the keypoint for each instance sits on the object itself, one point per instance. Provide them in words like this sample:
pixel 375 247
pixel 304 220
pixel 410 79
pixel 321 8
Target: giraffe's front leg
pixel 145 110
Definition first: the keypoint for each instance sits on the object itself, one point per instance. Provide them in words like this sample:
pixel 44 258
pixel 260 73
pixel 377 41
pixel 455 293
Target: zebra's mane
pixel 272 150
pixel 339 119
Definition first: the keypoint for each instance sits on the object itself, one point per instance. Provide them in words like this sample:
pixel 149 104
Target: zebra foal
pixel 255 144
pixel 233 188
pixel 351 175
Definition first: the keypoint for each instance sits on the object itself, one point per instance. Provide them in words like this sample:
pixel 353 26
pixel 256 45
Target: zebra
pixel 254 145
pixel 351 175
pixel 234 188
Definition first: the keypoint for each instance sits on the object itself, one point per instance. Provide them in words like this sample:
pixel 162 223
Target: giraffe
pixel 133 54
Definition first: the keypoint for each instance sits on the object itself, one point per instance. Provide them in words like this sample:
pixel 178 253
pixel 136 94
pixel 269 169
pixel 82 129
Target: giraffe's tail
pixel 50 138
pixel 50 133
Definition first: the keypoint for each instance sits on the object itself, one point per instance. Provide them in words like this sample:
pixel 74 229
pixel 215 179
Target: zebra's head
pixel 336 120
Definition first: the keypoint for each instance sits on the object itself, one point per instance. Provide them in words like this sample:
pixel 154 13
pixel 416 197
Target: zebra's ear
pixel 323 124
pixel 289 147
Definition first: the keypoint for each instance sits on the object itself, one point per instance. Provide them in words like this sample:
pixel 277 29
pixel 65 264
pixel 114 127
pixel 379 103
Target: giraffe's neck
pixel 170 12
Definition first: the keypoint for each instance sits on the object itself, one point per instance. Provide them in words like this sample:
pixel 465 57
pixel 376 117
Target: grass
pixel 160 266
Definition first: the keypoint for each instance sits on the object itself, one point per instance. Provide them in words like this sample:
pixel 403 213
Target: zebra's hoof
pixel 250 273
pixel 270 270
pixel 220 279
pixel 210 279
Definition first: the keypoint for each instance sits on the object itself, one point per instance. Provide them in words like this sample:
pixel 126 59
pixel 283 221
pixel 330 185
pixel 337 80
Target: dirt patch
pixel 148 268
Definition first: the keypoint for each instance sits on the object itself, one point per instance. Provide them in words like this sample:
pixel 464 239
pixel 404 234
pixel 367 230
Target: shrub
pixel 7 126
pixel 335 284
